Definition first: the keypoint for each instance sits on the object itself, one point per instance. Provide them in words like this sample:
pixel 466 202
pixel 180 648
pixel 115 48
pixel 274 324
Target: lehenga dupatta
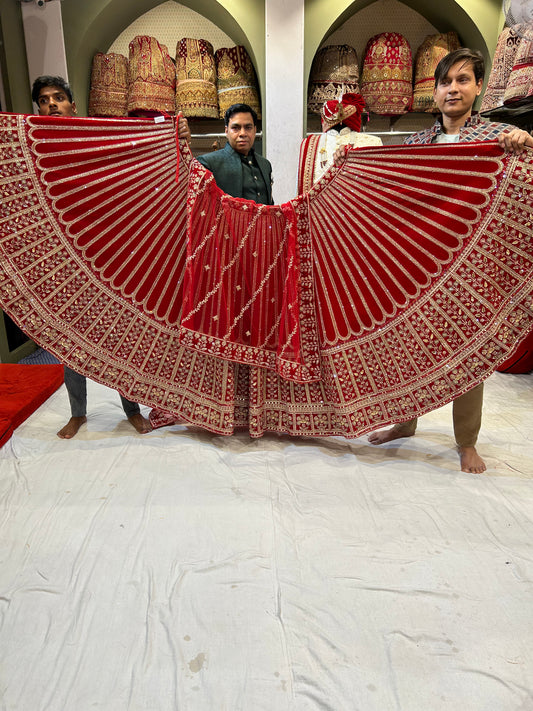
pixel 401 280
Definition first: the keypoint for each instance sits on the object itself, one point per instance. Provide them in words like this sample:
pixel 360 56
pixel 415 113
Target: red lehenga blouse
pixel 400 281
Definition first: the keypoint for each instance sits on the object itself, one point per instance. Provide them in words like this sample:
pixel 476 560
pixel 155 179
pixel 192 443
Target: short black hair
pixel 239 109
pixel 48 80
pixel 465 55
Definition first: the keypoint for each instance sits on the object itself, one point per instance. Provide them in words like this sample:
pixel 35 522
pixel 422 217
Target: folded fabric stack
pixel 109 85
pixel 519 89
pixel 334 72
pixel 431 51
pixel 196 90
pixel 236 80
pixel 502 65
pixel 386 79
pixel 152 77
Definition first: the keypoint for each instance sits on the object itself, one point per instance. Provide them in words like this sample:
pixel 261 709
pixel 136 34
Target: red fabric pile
pixel 23 388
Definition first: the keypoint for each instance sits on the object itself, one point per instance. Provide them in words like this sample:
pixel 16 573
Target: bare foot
pixel 70 430
pixel 394 432
pixel 471 461
pixel 141 424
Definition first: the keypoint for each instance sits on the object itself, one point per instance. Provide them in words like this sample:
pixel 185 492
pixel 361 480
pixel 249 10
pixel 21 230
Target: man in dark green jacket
pixel 238 170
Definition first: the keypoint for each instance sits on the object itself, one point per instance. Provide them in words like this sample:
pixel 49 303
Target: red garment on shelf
pixel 400 281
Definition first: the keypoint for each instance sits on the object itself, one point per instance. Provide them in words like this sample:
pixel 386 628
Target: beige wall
pixel 169 22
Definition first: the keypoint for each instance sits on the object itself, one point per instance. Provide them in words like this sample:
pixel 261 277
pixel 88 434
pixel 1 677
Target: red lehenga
pixel 400 281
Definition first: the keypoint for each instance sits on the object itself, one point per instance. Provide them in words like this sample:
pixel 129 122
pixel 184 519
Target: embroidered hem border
pixel 50 291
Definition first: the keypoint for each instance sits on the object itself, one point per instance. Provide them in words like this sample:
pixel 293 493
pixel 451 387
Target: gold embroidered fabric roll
pixel 519 89
pixel 108 95
pixel 236 79
pixel 502 65
pixel 334 72
pixel 396 284
pixel 386 82
pixel 196 91
pixel 431 51
pixel 152 77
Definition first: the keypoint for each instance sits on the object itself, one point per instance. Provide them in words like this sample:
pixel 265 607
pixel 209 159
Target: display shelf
pixel 508 111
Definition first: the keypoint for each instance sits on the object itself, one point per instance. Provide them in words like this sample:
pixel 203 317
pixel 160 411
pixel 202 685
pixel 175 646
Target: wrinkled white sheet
pixel 186 571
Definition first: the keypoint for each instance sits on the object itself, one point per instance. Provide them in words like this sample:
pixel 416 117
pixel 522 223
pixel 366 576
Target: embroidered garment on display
pixel 317 150
pixel 236 79
pixel 196 91
pixel 298 318
pixel 519 89
pixel 431 51
pixel 386 79
pixel 152 77
pixel 502 64
pixel 335 71
pixel 109 85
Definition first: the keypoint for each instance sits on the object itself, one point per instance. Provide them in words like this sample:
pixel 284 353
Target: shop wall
pixel 288 32
pixel 93 25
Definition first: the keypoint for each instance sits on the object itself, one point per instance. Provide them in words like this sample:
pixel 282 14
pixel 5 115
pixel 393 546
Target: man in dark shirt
pixel 238 170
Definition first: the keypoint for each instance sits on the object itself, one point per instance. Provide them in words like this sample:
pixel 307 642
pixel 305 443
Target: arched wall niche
pixel 478 22
pixel 91 26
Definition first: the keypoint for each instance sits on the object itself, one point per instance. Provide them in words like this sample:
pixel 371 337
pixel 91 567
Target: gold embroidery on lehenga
pixel 391 327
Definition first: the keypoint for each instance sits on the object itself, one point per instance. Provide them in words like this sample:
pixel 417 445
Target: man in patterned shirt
pixel 458 82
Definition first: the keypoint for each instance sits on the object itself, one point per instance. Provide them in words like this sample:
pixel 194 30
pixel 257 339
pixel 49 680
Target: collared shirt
pixel 253 183
pixel 475 129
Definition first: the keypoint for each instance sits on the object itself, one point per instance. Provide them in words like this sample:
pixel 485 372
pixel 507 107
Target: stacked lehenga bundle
pixel 151 77
pixel 108 95
pixel 386 80
pixel 431 51
pixel 196 90
pixel 334 72
pixel 236 79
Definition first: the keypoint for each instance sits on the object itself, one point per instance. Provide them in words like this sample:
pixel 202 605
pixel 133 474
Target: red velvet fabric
pixel 24 388
pixel 247 289
pixel 400 281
